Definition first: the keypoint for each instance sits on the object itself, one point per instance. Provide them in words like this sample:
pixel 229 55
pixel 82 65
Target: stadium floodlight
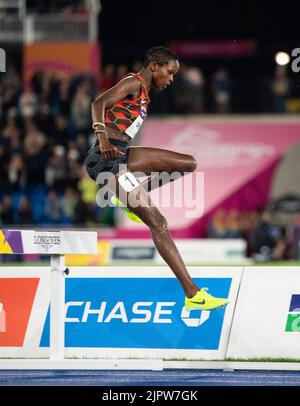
pixel 282 58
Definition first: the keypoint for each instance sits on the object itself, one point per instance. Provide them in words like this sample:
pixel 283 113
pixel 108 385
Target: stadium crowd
pixel 266 239
pixel 46 133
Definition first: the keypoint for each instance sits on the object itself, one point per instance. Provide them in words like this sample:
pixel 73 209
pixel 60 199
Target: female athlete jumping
pixel 117 116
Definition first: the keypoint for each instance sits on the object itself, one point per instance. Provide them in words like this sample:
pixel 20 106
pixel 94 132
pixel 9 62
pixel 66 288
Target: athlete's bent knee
pixel 192 164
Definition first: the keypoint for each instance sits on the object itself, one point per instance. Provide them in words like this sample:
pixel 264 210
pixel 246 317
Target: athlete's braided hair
pixel 161 55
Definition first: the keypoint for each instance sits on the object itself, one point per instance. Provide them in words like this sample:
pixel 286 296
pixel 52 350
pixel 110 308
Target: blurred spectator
pixel 12 80
pixel 74 167
pixel 69 201
pixel 194 86
pixel 221 91
pixel 87 187
pixel 233 225
pixel 44 118
pixel 180 100
pixel 16 174
pixel 268 240
pixel 34 140
pixel 28 103
pixel 45 87
pixel 248 221
pixel 24 211
pixel 60 132
pixel 83 213
pixel 81 109
pixel 56 169
pixel 53 208
pixel 11 134
pixel 8 99
pixel 295 238
pixel 35 155
pixel 108 77
pixel 217 227
pixel 6 211
pixel 62 102
pixel 280 89
pixel 4 158
pixel 82 146
pixel 188 90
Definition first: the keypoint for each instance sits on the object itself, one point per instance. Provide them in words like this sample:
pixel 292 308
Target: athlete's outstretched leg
pixel 159 229
pixel 149 160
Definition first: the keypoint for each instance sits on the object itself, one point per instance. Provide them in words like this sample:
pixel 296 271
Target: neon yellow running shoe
pixel 204 301
pixel 116 202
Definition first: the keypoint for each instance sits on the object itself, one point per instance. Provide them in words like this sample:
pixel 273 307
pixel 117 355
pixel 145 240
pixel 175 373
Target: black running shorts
pixel 95 163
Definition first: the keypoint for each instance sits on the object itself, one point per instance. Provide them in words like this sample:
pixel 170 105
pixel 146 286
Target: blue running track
pixel 174 377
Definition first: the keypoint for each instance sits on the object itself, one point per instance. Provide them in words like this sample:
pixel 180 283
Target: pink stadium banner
pixel 236 162
pixel 215 48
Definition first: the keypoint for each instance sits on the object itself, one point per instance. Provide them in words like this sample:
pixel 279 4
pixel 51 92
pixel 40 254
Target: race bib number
pixel 128 181
pixel 133 129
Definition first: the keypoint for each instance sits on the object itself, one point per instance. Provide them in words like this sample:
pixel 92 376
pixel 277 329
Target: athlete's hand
pixel 110 151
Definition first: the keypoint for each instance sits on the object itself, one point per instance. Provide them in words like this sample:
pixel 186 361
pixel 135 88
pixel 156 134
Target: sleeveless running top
pixel 127 116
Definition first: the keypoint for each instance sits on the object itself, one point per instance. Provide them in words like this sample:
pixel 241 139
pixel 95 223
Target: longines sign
pixel 46 241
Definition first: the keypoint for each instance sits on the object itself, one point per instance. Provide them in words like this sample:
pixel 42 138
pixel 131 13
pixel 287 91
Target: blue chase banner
pixel 138 313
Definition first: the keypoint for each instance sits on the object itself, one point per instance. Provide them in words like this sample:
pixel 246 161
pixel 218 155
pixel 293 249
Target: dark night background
pixel 128 29
pixel 127 26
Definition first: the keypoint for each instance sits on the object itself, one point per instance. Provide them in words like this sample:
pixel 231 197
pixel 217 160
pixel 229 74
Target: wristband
pixel 95 125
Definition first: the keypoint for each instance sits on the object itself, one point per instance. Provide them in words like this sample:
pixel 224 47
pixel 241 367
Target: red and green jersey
pixel 127 115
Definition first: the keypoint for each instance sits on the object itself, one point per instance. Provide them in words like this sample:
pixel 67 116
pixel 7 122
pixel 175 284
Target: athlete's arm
pixel 126 87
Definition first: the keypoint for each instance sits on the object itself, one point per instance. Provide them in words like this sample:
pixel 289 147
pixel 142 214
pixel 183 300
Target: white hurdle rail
pixel 56 244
